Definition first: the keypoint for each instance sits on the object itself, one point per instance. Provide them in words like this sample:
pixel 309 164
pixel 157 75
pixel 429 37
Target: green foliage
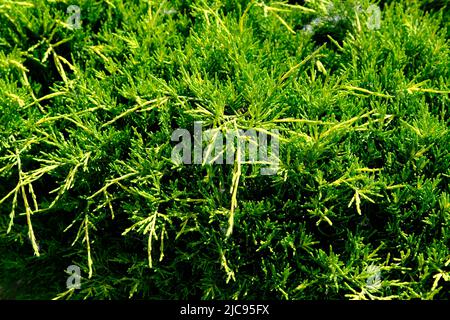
pixel 360 207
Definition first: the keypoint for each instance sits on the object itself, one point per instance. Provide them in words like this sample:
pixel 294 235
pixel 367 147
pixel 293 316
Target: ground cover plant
pixel 356 92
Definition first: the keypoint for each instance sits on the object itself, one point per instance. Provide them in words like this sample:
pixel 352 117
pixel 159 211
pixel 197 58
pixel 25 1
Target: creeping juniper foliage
pixel 92 204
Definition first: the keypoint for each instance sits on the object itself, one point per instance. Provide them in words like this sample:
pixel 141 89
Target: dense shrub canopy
pixel 360 205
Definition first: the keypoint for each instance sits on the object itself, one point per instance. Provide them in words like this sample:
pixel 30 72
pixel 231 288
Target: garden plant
pixel 351 98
